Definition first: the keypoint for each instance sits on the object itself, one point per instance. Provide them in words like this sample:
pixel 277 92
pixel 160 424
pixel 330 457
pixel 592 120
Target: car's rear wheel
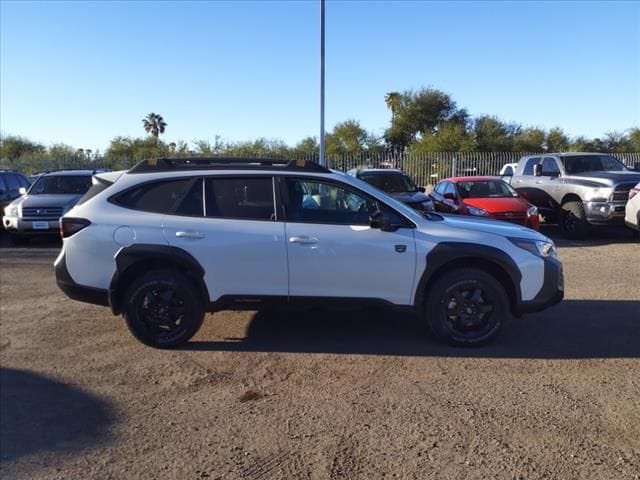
pixel 573 222
pixel 162 309
pixel 466 307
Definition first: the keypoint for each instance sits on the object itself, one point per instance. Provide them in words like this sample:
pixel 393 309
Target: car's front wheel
pixel 573 221
pixel 466 307
pixel 163 309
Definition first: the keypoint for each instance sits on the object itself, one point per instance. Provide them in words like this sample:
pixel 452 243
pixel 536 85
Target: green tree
pixel 530 140
pixel 617 142
pixel 393 101
pixel 307 148
pixel 347 138
pixel 419 113
pixel 634 139
pixel 154 124
pixel 556 140
pixel 13 147
pixel 449 137
pixel 493 135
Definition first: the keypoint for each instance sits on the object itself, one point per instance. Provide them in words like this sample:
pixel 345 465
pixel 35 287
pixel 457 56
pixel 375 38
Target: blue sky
pixel 83 72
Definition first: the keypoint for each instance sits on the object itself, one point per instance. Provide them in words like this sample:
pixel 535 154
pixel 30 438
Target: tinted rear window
pixel 156 197
pixel 61 184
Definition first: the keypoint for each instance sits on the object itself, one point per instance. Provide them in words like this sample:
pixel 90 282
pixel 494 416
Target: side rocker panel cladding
pixel 454 252
pixel 163 256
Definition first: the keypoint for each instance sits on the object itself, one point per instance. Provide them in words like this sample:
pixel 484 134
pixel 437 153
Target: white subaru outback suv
pixel 171 239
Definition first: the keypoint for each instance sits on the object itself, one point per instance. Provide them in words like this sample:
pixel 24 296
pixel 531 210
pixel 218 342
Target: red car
pixel 488 197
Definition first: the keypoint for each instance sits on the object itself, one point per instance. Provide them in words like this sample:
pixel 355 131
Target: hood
pixel 607 179
pixel 484 225
pixel 498 205
pixel 412 197
pixel 48 200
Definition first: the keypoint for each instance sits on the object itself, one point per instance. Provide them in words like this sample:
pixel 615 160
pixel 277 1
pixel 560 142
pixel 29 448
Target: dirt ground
pixel 317 395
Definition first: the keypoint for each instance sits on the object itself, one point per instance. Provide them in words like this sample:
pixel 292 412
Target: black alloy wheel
pixel 162 309
pixel 467 307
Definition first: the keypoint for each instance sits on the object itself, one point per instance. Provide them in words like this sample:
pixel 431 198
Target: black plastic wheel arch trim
pixel 128 257
pixel 448 252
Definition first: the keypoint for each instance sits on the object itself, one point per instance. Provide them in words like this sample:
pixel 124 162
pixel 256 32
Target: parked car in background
pixel 486 197
pixel 10 185
pixel 397 184
pixel 632 209
pixel 576 189
pixel 51 195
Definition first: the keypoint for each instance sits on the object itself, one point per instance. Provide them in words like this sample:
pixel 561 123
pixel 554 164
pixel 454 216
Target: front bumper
pixel 74 291
pixel 32 226
pixel 552 291
pixel 604 212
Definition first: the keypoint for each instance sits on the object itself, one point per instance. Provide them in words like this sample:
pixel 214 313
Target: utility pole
pixel 322 159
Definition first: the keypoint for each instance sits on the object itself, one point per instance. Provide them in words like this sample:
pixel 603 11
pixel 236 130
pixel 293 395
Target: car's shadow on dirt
pixel 598 235
pixel 42 414
pixel 572 329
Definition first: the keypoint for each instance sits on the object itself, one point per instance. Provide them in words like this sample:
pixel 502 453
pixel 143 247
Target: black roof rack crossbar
pixel 224 163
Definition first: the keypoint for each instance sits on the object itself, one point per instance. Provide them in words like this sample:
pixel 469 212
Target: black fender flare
pixel 447 255
pixel 153 256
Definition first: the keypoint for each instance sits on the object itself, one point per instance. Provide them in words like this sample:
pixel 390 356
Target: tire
pixel 573 223
pixel 483 294
pixel 19 240
pixel 162 309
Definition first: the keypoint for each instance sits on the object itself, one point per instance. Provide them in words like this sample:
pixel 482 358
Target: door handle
pixel 303 240
pixel 189 234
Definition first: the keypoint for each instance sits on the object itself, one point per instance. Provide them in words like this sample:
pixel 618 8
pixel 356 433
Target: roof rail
pixel 224 163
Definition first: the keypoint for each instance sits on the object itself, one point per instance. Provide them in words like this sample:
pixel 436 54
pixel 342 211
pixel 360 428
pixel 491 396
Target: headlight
pixel 540 248
pixel 11 211
pixel 480 212
pixel 532 211
pixel 598 195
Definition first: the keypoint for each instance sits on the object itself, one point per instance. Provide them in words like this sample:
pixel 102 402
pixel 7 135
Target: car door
pixel 334 252
pixel 525 182
pixel 229 224
pixel 548 184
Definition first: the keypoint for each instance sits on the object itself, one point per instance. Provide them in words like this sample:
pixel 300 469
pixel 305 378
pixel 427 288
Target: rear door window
pixel 249 198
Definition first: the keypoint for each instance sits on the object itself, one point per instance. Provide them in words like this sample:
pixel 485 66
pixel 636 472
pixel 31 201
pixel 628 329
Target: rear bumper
pixel 75 291
pixel 552 291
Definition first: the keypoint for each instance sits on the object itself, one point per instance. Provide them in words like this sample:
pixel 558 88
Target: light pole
pixel 322 159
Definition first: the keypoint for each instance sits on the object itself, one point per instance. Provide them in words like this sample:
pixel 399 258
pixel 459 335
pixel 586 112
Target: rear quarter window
pixel 159 197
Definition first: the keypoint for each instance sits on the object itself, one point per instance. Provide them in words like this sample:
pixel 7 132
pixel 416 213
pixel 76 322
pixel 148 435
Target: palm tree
pixel 154 124
pixel 393 99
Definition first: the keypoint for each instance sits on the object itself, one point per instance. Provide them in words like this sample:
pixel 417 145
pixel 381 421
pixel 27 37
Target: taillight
pixel 69 226
pixel 633 192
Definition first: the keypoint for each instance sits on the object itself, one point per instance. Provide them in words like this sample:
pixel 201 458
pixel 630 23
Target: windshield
pixel 390 182
pixel 61 184
pixel 486 189
pixel 592 163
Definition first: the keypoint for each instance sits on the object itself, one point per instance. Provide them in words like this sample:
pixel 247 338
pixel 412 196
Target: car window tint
pixel 528 168
pixel 3 187
pixel 156 197
pixel 12 181
pixel 192 203
pixel 319 202
pixel 246 198
pixel 549 165
pixel 450 188
pixel 440 188
pixel 508 171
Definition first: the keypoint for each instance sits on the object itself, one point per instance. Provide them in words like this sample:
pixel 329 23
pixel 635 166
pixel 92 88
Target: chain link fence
pixel 426 168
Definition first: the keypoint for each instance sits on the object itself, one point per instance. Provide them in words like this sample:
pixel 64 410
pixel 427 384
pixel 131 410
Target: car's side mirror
pixel 537 170
pixel 422 189
pixel 379 220
pixel 22 190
